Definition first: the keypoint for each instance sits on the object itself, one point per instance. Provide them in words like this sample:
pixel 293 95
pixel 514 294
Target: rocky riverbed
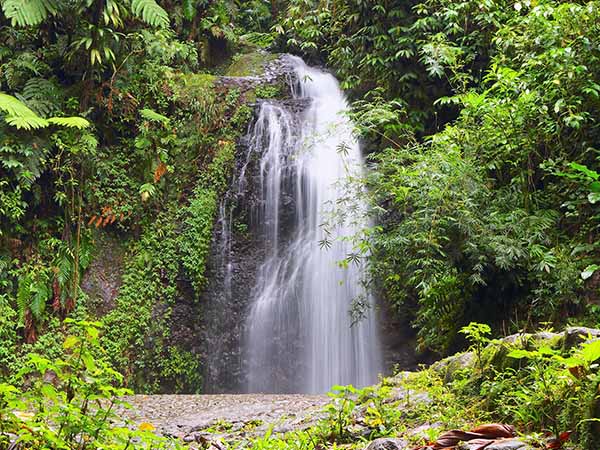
pixel 227 417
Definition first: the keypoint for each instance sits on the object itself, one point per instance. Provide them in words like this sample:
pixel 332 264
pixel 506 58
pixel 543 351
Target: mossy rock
pixel 448 367
pixel 250 64
pixel 574 336
pixel 193 86
pixel 495 355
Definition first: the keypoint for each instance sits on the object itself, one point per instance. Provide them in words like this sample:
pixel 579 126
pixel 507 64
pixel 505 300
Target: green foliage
pixel 70 403
pixel 21 117
pixel 339 411
pixel 8 337
pixel 494 209
pixel 478 336
pixel 267 91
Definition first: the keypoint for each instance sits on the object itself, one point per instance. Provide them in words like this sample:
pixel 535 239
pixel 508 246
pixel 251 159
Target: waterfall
pixel 300 336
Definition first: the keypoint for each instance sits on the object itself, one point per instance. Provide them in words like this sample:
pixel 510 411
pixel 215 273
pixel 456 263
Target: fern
pixel 14 107
pixel 150 12
pixel 21 67
pixel 20 116
pixel 70 122
pixel 28 12
pixel 26 122
pixel 153 116
pixel 189 9
pixel 42 96
pixel 23 296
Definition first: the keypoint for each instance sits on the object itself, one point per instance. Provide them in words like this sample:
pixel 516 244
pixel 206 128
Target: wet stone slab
pixel 230 417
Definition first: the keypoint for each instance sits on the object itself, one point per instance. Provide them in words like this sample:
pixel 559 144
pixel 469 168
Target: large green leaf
pixel 591 351
pixel 150 12
pixel 28 12
pixel 12 106
pixel 153 116
pixel 22 117
pixel 26 122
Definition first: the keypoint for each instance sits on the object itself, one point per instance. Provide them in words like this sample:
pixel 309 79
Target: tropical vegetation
pixel 480 122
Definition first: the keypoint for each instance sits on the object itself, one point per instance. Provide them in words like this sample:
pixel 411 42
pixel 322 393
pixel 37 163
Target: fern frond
pixel 23 296
pixel 153 116
pixel 26 122
pixel 40 296
pixel 189 9
pixel 28 12
pixel 42 96
pixel 150 12
pixel 14 107
pixel 70 122
pixel 20 116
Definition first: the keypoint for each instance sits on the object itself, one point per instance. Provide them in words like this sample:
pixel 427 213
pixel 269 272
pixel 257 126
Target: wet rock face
pixel 236 253
pixel 102 280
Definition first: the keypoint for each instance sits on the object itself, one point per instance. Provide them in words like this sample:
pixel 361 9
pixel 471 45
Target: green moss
pixel 250 64
pixel 192 85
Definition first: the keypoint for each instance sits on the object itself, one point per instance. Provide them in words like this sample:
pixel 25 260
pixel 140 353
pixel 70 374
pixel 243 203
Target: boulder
pixel 388 444
pixel 408 396
pixel 424 432
pixel 448 367
pixel 524 339
pixel 574 336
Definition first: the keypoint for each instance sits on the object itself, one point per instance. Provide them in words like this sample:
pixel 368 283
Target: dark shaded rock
pixel 388 444
pixel 574 336
pixel 509 444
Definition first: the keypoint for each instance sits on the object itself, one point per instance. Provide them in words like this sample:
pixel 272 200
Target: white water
pixel 300 336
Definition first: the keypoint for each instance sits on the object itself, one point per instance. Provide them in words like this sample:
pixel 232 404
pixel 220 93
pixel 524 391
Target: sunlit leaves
pixel 21 117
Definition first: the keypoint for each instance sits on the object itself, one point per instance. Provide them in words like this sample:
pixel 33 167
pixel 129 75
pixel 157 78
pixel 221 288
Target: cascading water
pixel 300 336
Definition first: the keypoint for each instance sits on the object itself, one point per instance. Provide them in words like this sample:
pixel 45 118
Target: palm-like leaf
pixel 150 12
pixel 19 115
pixel 14 107
pixel 28 12
pixel 22 117
pixel 70 122
pixel 26 122
pixel 153 116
